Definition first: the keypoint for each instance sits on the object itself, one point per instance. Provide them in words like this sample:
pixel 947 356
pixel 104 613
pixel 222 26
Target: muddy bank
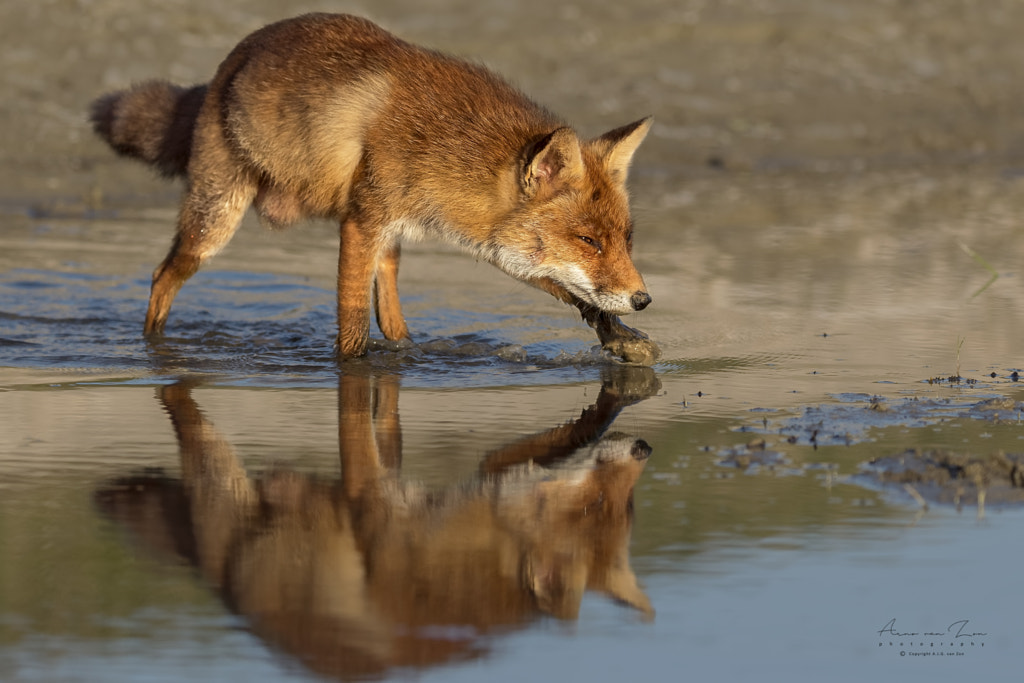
pixel 854 417
pixel 944 476
pixel 949 478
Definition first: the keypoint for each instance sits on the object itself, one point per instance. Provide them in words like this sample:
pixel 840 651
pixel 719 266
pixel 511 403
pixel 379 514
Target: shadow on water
pixel 359 575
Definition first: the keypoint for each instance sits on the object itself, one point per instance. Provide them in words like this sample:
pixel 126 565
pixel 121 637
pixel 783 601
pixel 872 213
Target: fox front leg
pixel 357 263
pixel 385 296
pixel 629 344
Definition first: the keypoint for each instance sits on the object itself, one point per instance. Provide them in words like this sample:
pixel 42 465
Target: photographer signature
pixel 957 630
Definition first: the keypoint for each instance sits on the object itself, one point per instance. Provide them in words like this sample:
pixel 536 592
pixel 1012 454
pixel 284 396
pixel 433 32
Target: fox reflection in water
pixel 354 577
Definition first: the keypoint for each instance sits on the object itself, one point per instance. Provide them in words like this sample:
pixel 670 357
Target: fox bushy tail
pixel 152 121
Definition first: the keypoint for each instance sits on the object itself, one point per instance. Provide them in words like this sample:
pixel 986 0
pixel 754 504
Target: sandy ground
pixel 764 86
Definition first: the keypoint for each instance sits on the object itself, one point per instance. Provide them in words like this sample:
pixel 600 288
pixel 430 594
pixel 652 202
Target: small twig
pixel 984 264
pixel 959 345
pixel 916 496
pixel 978 257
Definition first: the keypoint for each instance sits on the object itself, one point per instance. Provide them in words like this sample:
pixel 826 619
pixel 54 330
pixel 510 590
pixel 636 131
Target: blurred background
pixel 763 85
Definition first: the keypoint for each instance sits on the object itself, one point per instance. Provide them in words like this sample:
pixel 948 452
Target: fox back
pixel 331 116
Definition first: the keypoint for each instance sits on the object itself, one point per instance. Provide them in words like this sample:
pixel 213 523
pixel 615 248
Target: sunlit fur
pixel 331 116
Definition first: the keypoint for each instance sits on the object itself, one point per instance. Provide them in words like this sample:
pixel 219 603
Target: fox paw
pixel 639 350
pixel 629 344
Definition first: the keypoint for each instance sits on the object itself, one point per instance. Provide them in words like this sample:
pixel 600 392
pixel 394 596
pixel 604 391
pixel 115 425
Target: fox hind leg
pixel 207 222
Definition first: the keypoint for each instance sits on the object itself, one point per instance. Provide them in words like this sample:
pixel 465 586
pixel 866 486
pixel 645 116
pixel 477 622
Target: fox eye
pixel 591 241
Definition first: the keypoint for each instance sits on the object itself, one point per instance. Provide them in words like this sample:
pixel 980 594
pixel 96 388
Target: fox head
pixel 577 518
pixel 572 225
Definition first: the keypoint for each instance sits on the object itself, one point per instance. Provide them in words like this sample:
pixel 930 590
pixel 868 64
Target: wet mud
pixel 753 457
pixel 854 417
pixel 918 476
pixel 949 478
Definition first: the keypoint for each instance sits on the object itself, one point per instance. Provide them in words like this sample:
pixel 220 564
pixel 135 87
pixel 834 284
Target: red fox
pixel 331 116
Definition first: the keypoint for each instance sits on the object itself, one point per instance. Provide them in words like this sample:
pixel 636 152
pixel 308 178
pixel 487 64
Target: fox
pixel 362 574
pixel 330 116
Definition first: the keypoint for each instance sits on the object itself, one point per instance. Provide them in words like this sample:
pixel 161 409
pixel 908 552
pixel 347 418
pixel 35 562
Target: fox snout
pixel 609 301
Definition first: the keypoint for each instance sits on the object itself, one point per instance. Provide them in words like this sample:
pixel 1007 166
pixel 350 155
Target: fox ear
pixel 616 147
pixel 552 162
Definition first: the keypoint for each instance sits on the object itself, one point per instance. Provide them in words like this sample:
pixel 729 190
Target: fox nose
pixel 640 300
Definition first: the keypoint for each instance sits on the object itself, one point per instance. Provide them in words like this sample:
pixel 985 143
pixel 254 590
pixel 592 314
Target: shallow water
pixel 813 296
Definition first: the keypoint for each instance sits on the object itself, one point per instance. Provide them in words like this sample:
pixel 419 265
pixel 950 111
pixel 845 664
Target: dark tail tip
pixel 101 115
pixel 153 122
